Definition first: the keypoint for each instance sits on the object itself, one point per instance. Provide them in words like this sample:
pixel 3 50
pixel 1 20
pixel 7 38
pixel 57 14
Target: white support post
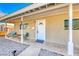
pixel 70 42
pixel 5 30
pixel 22 30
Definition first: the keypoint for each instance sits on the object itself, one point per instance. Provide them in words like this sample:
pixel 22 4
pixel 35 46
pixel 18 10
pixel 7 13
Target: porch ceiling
pixel 45 12
pixel 39 14
pixel 32 6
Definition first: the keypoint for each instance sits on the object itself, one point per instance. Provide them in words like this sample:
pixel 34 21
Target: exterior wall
pixel 54 28
pixel 76 32
pixel 55 31
pixel 17 25
pixel 17 28
pixel 30 28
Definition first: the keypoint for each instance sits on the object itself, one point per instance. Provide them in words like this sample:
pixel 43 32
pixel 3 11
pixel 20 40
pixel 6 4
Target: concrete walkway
pixel 33 50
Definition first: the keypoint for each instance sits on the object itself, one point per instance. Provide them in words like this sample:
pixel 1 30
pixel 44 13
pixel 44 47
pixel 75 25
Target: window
pixel 24 26
pixel 75 24
pixel 2 26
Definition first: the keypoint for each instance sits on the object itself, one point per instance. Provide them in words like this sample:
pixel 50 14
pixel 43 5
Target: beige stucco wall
pixel 30 28
pixel 17 26
pixel 55 32
pixel 54 28
pixel 76 32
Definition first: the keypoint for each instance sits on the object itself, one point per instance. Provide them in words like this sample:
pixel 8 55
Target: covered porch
pixel 56 36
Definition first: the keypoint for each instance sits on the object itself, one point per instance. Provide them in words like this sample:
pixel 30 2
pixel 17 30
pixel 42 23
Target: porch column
pixel 22 29
pixel 70 42
pixel 5 29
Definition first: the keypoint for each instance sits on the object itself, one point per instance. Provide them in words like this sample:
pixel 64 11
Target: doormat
pixel 40 41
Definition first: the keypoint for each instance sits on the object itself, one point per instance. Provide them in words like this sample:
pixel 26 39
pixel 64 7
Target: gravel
pixel 44 52
pixel 7 47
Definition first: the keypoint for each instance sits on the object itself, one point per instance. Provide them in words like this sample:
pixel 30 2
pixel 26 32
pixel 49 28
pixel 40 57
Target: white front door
pixel 40 30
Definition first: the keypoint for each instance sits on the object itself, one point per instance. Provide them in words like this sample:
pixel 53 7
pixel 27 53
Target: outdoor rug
pixel 11 48
pixel 44 52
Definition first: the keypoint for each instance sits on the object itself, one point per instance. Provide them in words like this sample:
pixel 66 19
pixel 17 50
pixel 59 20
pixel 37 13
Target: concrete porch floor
pixel 35 47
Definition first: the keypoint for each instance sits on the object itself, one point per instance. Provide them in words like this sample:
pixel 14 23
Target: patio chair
pixel 12 34
pixel 26 35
